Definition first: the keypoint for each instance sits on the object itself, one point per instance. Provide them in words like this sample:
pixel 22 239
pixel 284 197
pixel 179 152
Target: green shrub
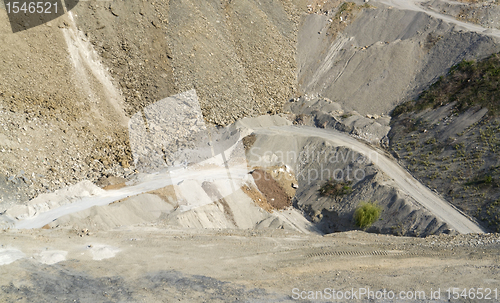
pixel 431 141
pixel 366 214
pixel 332 189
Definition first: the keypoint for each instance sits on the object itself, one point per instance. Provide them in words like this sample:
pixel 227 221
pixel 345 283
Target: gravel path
pixel 406 182
pixel 416 5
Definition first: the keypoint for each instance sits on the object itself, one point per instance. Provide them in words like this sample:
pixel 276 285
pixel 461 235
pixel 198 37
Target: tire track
pixel 343 253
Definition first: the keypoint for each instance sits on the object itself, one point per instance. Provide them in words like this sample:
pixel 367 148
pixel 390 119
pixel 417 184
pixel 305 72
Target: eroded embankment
pixel 316 162
pixel 383 56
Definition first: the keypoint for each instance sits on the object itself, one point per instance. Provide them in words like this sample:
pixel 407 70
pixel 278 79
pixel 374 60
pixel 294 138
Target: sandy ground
pixel 157 264
pixel 157 258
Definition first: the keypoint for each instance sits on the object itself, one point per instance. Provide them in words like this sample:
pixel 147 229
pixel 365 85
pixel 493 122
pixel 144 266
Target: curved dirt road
pixel 416 5
pixel 439 207
pixel 406 182
pixel 149 183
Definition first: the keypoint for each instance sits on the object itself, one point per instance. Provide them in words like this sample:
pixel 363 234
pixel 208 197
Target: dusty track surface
pixel 151 183
pixel 153 264
pixel 416 5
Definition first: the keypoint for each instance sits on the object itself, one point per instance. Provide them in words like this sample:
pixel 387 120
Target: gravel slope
pixel 384 54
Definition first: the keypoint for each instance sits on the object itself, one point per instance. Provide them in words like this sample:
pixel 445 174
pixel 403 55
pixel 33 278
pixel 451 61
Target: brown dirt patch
pixel 285 179
pixel 257 197
pixel 274 193
pixel 248 141
pixel 166 193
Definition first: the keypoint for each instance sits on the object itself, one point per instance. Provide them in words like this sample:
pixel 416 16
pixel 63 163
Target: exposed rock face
pixel 324 113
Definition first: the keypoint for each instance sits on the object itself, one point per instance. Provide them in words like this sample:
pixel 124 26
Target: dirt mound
pixel 128 212
pixel 275 195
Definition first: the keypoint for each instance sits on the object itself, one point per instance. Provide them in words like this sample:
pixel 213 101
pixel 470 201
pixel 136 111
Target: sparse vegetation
pixel 366 214
pixel 346 13
pixel 345 8
pixel 469 84
pixel 483 180
pixel 463 167
pixel 333 188
pixel 431 141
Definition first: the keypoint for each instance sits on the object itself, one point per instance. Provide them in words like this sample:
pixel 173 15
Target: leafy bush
pixel 366 214
pixel 346 7
pixel 480 180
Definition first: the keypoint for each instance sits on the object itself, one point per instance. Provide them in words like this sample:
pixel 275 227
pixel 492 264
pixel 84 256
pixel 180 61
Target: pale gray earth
pixel 385 55
pixel 200 233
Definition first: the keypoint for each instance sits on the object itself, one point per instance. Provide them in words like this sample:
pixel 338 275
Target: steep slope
pixel 448 138
pixel 69 86
pixel 318 156
pixel 62 118
pixel 382 56
pixel 238 55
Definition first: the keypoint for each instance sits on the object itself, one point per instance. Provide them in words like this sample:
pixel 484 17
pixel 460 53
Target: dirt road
pixel 406 182
pixel 157 264
pixel 148 183
pixel 416 5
